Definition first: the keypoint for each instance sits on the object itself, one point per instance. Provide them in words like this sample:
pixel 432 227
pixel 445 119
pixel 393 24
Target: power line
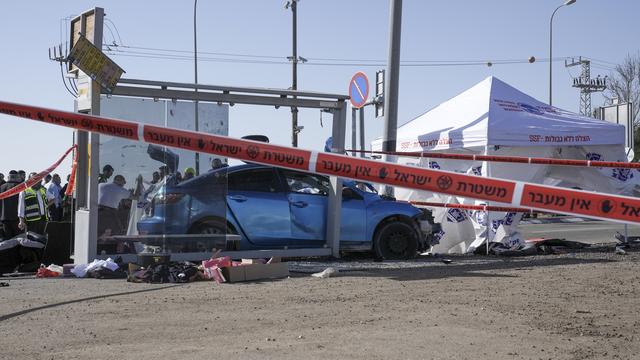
pixel 116 28
pixel 410 63
pixel 64 82
pixel 321 61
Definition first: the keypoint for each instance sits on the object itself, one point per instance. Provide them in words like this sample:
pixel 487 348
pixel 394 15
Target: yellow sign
pixel 93 62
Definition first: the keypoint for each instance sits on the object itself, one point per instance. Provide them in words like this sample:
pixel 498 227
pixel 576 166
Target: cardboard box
pixel 253 261
pixel 233 273
pixel 255 272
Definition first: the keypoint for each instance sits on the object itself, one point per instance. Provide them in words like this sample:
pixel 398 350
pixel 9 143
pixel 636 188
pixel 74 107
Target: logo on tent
pixel 621 174
pixel 531 109
pixel 456 215
pixel 594 156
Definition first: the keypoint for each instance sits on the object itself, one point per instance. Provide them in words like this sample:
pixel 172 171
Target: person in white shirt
pixel 54 199
pixel 109 197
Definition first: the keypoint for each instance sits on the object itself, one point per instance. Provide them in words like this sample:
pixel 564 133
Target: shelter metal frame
pixel 333 103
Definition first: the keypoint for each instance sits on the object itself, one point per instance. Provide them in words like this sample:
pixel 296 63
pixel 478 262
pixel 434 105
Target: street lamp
pixel 566 3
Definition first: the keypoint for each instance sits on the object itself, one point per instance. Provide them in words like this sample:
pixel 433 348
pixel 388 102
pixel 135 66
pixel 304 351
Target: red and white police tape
pixel 471 207
pixel 507 159
pixel 72 177
pixel 514 193
pixel 31 181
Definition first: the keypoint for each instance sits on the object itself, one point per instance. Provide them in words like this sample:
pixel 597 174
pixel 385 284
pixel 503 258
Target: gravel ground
pixel 573 306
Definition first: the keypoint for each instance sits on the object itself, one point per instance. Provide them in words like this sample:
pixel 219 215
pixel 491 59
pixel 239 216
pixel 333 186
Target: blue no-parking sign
pixel 359 89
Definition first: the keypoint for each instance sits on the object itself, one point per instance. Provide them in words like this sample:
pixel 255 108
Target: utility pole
pixel 586 84
pixel 295 129
pixel 195 67
pixel 391 93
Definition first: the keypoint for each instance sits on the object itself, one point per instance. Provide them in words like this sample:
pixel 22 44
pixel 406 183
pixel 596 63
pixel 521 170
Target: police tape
pixel 36 179
pixel 472 207
pixel 512 193
pixel 72 176
pixel 507 159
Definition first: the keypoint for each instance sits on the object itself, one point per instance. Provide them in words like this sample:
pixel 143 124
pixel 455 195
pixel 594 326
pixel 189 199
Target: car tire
pixel 395 240
pixel 216 227
pixel 212 226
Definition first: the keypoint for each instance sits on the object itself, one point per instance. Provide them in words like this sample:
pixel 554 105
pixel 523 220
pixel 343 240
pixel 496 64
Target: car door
pixel 308 197
pixel 259 204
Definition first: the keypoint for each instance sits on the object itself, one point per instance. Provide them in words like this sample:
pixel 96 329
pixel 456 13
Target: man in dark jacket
pixel 9 212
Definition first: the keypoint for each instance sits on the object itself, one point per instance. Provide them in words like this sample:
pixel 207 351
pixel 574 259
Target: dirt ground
pixel 571 306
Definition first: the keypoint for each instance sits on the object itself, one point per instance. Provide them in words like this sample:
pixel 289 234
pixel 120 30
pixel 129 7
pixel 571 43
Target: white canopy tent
pixel 494 118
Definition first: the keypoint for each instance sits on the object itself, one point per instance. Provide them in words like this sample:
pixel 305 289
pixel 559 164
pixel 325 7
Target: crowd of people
pixel 45 201
pixel 31 209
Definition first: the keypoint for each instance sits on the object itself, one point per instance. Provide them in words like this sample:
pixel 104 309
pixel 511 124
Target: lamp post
pixel 566 3
pixel 195 67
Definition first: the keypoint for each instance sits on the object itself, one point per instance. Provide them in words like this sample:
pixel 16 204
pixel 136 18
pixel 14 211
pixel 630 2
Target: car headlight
pixel 167 199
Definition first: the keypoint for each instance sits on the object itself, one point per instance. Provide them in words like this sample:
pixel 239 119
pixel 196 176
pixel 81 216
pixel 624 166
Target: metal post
pixel 567 2
pixel 353 130
pixel 82 140
pixel 626 234
pixel 86 229
pixel 486 226
pixel 391 92
pixel 362 132
pixel 334 205
pixel 294 82
pixel 195 68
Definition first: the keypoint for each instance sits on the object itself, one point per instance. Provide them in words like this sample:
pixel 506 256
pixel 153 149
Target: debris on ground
pixel 328 272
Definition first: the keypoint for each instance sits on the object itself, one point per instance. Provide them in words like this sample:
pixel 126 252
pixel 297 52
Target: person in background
pixel 32 208
pixel 189 173
pixel 216 163
pixel 163 171
pixel 107 171
pixel 9 207
pixel 2 179
pixel 67 201
pixel 47 180
pixel 109 197
pixel 23 175
pixel 152 185
pixel 54 198
pixel 64 188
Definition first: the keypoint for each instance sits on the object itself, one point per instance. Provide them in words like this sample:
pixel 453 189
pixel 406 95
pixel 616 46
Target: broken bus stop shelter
pixel 85 247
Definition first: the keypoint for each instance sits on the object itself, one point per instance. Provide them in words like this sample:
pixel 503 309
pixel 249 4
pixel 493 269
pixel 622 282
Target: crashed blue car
pixel 273 208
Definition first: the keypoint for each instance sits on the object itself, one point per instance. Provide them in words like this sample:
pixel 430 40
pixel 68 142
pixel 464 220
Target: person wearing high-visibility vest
pixel 32 208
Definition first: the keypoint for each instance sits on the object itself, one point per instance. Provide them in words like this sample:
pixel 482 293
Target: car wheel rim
pixel 211 231
pixel 397 242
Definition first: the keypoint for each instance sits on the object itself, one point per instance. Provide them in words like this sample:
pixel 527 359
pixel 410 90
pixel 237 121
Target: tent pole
pixel 486 225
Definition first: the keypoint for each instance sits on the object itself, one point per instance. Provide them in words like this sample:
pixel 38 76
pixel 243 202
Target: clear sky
pixel 353 31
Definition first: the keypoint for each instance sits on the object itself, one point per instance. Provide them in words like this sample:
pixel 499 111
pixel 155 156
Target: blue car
pixel 275 208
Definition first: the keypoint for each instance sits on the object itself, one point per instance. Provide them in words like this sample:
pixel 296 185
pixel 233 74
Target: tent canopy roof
pixel 494 113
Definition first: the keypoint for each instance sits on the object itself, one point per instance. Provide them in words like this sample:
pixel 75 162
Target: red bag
pixel 45 273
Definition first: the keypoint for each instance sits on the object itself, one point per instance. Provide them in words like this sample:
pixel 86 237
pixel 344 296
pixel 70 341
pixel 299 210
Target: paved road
pixel 589 231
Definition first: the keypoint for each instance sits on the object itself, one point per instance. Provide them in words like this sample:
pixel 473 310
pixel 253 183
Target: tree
pixel 624 84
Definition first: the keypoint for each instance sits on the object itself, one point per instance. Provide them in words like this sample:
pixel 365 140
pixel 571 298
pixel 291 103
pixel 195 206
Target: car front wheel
pixel 216 227
pixel 396 240
pixel 211 227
